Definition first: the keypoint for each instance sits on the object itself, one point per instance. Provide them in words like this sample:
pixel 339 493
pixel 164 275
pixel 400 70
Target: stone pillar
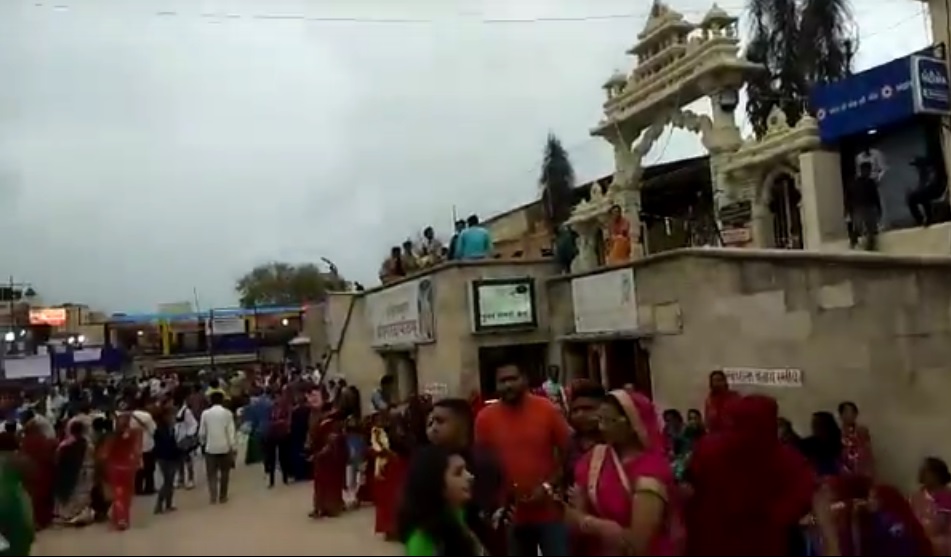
pixel 624 160
pixel 762 222
pixel 823 209
pixel 724 135
pixel 630 202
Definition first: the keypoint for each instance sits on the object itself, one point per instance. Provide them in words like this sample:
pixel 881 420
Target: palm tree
pixel 801 43
pixel 557 181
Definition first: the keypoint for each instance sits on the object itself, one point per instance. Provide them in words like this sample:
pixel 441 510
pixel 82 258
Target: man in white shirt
pixel 55 402
pixel 186 435
pixel 145 477
pixel 218 437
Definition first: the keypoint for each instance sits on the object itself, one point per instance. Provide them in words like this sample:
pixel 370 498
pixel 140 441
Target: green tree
pixel 801 43
pixel 557 182
pixel 279 283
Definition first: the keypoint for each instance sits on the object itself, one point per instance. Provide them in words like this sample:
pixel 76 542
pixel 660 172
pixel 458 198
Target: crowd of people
pixel 581 471
pixel 80 454
pixel 470 240
pixel 573 470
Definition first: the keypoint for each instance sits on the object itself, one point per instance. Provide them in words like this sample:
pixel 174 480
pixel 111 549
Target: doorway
pixel 613 363
pixel 402 367
pixel 784 205
pixel 530 358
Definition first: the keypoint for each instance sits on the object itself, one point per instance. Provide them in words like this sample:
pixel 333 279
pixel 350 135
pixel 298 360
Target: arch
pixel 764 190
pixel 781 196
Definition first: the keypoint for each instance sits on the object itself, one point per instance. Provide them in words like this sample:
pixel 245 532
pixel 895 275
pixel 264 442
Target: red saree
pixel 39 481
pixel 749 489
pixel 386 493
pixel 714 409
pixel 330 465
pixel 123 459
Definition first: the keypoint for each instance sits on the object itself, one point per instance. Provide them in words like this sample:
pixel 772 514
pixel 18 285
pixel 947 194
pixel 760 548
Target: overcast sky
pixel 151 147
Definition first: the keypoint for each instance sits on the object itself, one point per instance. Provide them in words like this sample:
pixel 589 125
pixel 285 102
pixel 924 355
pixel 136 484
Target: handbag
pixel 188 443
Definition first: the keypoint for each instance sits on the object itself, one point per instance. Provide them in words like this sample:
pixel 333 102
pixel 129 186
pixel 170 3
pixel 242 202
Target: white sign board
pixel 503 304
pixel 87 355
pixel 402 314
pixel 175 308
pixel 605 303
pixel 225 325
pixel 760 377
pixel 27 367
pixel 437 391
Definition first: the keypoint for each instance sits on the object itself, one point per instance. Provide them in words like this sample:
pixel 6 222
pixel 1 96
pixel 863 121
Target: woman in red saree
pixel 329 445
pixel 390 449
pixel 748 489
pixel 857 457
pixel 719 397
pixel 123 458
pixel 41 452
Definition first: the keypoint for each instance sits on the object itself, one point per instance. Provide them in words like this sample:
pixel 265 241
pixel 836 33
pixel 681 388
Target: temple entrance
pixel 530 358
pixel 613 363
pixel 402 366
pixel 784 206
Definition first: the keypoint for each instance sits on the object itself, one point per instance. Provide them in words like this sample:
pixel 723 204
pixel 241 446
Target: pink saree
pixel 609 483
pixel 933 510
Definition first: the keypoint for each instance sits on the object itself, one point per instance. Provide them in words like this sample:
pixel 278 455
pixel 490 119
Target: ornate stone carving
pixel 678 62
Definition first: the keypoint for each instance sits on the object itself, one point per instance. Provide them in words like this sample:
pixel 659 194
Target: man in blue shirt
pixel 475 241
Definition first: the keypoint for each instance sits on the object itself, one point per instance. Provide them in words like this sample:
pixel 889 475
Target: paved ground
pixel 256 521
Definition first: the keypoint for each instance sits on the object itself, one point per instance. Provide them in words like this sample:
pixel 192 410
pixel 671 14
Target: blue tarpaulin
pixel 881 96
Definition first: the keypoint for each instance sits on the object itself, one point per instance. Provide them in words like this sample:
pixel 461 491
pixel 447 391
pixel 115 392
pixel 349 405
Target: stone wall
pixel 863 327
pixel 869 328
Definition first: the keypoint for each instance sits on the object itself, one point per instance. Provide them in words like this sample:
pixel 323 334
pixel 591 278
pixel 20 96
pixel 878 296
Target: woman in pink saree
pixel 932 503
pixel 625 493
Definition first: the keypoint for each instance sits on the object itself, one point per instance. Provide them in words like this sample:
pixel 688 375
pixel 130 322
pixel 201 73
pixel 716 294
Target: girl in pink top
pixel 625 493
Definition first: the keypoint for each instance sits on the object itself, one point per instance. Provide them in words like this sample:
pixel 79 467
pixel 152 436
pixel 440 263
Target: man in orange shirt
pixel 529 436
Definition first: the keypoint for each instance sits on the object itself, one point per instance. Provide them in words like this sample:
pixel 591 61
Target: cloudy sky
pixel 151 147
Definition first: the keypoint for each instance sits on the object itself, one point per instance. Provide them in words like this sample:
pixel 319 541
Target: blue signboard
pixel 930 81
pixel 881 96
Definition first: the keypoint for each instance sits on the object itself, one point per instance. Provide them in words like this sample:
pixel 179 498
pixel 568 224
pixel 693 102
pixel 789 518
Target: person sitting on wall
pixel 863 207
pixel 930 189
pixel 409 257
pixel 431 249
pixel 392 267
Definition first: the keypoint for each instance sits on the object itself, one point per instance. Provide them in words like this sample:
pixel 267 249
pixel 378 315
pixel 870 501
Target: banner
pixel 403 314
pixel 54 317
pixel 605 303
pixel 229 325
pixel 881 96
